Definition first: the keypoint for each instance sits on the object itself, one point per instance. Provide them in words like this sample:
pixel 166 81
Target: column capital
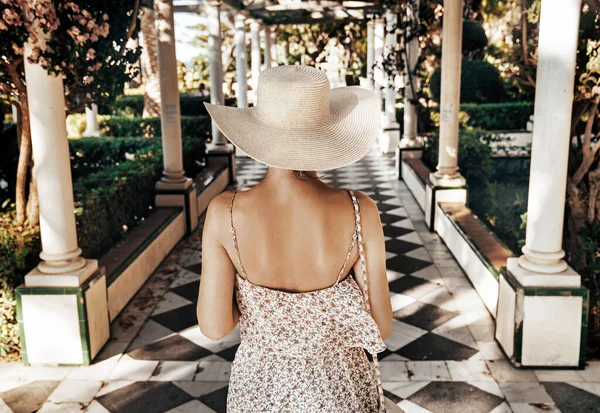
pixel 255 24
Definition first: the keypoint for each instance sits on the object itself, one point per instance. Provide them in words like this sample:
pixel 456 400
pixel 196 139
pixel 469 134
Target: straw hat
pixel 299 123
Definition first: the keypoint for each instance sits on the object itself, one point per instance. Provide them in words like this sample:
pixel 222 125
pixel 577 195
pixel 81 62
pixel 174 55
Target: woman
pixel 284 258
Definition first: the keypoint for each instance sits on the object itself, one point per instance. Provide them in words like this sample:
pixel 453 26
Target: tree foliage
pixel 84 42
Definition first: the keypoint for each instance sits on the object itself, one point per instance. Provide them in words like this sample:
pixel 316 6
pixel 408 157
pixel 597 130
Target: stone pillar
pixel 447 184
pixel 92 127
pixel 370 51
pixel 390 134
pixel 255 56
pixel 447 168
pixel 241 60
pixel 411 82
pixel 170 119
pixel 55 299
pixel 542 308
pixel 174 188
pixel 60 253
pixel 215 63
pixel 267 50
pixel 219 146
pixel 273 33
pixel 378 77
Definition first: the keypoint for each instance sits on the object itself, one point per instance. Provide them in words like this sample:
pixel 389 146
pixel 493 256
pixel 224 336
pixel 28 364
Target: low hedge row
pixel 137 127
pixel 198 126
pixel 115 193
pixel 90 155
pixel 133 105
pixel 487 116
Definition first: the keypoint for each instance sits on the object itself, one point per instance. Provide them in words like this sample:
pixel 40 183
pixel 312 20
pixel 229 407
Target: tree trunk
pixel 24 159
pixel 524 31
pixel 150 57
pixel 33 204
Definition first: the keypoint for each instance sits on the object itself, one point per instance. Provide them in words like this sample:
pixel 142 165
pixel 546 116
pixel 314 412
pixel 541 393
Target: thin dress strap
pixel 234 238
pixel 363 267
pixel 350 248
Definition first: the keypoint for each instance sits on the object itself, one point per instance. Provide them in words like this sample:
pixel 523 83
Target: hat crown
pixel 293 96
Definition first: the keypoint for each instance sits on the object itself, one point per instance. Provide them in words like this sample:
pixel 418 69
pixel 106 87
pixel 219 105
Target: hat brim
pixel 346 138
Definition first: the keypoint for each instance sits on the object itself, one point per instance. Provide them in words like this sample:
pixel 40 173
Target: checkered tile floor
pixel 441 355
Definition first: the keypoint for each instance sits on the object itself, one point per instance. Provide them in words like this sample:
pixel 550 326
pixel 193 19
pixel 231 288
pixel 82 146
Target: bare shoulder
pixel 217 213
pixel 369 213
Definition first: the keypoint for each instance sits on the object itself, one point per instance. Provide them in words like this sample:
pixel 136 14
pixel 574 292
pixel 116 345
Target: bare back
pixel 292 235
pixel 294 242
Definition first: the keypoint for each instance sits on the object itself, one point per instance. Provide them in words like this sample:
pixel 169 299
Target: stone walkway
pixel 441 356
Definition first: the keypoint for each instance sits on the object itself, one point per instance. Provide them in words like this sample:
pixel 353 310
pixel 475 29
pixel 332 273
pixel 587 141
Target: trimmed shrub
pixel 490 116
pixel 19 252
pixel 474 38
pixel 198 126
pixel 480 82
pixel 133 105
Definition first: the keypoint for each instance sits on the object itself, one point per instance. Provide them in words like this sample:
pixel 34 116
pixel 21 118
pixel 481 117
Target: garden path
pixel 441 355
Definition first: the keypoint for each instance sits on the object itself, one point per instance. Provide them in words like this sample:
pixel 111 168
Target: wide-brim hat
pixel 300 123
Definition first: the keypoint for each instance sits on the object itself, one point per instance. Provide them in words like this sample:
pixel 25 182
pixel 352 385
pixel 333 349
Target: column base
pixel 227 151
pixel 416 142
pixel 182 195
pixel 74 278
pixel 63 325
pixel 541 325
pixel 446 189
pixel 93 132
pixel 389 137
pixel 404 152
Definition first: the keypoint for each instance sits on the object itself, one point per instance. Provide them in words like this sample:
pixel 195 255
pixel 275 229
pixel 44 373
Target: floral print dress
pixel 304 352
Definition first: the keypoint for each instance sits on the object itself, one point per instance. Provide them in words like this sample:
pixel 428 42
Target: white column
pixel 215 64
pixel 92 127
pixel 170 119
pixel 370 51
pixel 390 133
pixel 447 170
pixel 267 50
pixel 62 264
pixel 378 77
pixel 411 81
pixel 241 60
pixel 557 50
pixel 273 33
pixel 255 56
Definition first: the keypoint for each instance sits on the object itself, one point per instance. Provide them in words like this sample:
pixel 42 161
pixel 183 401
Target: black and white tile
pixel 441 356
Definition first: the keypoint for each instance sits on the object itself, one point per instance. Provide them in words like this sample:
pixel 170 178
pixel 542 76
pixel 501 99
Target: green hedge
pixel 198 126
pixel 113 195
pixel 485 116
pixel 133 105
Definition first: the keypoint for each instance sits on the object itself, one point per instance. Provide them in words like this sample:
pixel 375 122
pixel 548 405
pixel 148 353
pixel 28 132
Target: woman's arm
pixel 216 309
pixel 374 247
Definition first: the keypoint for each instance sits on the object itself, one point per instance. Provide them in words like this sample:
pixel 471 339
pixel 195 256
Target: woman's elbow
pixel 385 329
pixel 213 333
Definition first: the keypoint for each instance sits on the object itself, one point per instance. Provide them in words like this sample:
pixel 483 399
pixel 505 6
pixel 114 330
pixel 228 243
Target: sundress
pixel 304 352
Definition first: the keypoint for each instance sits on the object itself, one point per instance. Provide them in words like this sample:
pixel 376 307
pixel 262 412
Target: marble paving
pixel 441 356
